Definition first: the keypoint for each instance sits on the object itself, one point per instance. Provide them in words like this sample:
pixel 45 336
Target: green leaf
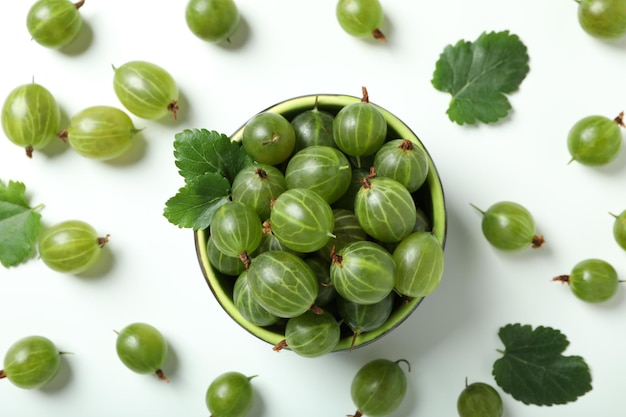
pixel 533 369
pixel 479 74
pixel 199 151
pixel 195 203
pixel 19 225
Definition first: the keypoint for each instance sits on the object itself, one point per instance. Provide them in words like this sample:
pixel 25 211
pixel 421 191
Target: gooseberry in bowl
pixel 368 201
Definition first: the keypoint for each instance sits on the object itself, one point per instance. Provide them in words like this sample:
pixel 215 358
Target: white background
pixel 285 48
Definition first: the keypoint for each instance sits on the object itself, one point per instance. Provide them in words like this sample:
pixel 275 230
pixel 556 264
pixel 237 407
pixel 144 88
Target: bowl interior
pixel 429 198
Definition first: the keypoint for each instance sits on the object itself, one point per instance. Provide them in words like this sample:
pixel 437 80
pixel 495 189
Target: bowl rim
pixel 324 101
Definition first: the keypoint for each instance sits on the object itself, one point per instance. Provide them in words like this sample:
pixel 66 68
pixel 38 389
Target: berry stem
pixel 275 137
pixel 408 364
pixel 365 98
pixel 245 259
pixel 479 210
pixel 562 278
pixel 162 376
pixel 406 145
pixel 537 241
pixel 103 240
pixel 2 374
pixel 317 309
pixel 357 414
pixel 379 35
pixel 335 257
pixel 173 107
pixel 63 135
pixel 620 119
pixel 29 151
pixel 261 173
pixel 280 345
pixel 79 4
pixel 355 335
pixel 315 104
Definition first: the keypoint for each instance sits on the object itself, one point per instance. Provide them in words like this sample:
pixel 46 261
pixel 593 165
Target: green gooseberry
pixel 230 395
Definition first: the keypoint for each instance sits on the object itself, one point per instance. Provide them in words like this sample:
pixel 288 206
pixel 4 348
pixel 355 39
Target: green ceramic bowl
pixel 430 198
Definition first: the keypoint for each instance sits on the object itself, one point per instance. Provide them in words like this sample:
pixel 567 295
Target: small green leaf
pixel 479 74
pixel 199 151
pixel 533 369
pixel 14 192
pixel 195 203
pixel 19 225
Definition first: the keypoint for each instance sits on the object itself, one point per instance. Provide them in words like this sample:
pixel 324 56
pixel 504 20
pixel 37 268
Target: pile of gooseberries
pixel 324 235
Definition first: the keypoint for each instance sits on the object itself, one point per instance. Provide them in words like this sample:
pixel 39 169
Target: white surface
pixel 292 48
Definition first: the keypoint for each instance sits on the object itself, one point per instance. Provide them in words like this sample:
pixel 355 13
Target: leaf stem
pixel 38 207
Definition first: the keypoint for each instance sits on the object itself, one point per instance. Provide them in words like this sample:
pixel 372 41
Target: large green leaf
pixel 479 74
pixel 534 370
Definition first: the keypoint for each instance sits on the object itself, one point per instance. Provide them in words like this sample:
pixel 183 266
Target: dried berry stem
pixel 365 181
pixel 537 241
pixel 261 173
pixel 2 374
pixel 29 151
pixel 620 119
pixel 103 240
pixel 173 107
pixel 63 135
pixel 365 95
pixel 79 4
pixel 317 309
pixel 379 35
pixel 406 145
pixel 245 259
pixel 563 278
pixel 280 346
pixel 162 376
pixel 335 257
